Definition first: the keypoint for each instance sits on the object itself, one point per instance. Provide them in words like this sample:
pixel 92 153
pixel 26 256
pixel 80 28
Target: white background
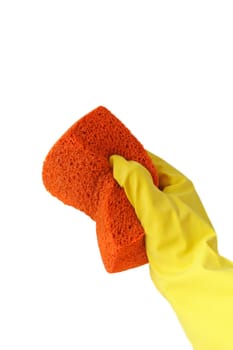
pixel 164 68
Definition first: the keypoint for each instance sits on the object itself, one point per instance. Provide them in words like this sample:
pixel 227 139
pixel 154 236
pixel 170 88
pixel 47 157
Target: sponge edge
pixel 77 171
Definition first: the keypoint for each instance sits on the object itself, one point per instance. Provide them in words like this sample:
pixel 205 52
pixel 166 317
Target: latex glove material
pixel 181 246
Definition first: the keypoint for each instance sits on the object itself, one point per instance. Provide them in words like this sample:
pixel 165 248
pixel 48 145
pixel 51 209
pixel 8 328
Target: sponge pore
pixel 77 172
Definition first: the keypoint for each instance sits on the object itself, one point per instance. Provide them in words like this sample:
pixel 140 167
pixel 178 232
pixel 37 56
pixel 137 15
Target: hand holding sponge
pixel 165 224
pixel 181 246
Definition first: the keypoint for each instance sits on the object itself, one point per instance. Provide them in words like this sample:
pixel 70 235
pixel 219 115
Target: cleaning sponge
pixel 77 171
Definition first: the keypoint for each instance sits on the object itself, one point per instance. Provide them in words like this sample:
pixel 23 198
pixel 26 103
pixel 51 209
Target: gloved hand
pixel 181 246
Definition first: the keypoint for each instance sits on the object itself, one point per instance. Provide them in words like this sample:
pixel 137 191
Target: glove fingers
pixel 148 201
pixel 169 177
pixel 174 182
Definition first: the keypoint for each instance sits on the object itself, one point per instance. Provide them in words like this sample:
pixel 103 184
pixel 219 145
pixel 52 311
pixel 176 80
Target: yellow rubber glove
pixel 181 246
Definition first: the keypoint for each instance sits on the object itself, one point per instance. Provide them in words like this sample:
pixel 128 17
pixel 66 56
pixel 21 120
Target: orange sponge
pixel 77 171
